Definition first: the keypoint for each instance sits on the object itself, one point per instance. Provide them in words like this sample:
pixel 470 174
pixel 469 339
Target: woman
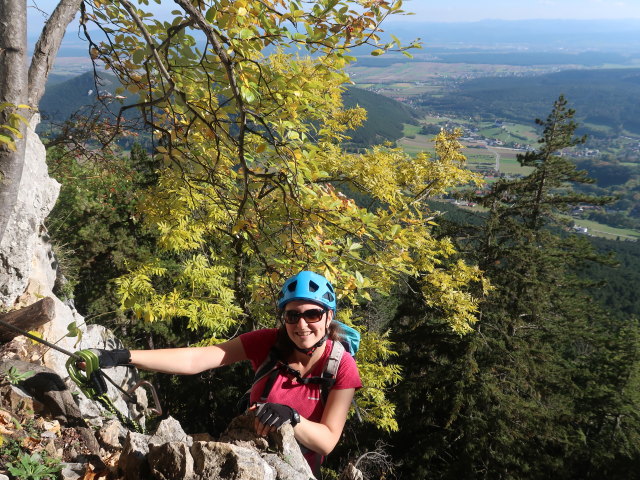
pixel 303 345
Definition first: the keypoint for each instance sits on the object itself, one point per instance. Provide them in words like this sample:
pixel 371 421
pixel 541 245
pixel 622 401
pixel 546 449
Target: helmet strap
pixel 309 351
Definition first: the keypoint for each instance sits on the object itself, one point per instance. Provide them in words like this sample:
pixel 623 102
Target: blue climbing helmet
pixel 308 285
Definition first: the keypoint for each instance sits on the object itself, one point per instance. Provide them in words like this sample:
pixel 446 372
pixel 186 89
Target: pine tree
pixel 532 391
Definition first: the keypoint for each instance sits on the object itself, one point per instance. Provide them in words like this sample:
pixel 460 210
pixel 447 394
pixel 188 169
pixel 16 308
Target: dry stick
pixel 31 317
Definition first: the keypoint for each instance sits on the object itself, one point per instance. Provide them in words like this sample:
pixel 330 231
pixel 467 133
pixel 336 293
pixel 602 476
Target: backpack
pixel 272 366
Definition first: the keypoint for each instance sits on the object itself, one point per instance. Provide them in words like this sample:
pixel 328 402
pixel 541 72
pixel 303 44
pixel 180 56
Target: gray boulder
pixel 218 461
pixel 133 459
pixel 171 461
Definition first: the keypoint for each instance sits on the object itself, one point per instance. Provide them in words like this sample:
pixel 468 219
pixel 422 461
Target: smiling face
pixel 303 333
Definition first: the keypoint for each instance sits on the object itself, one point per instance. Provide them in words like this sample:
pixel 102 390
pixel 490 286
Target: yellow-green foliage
pixel 253 185
pixel 10 131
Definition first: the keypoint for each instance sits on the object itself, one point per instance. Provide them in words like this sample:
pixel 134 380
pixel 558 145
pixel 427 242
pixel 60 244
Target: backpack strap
pixel 331 369
pixel 272 367
pixel 268 367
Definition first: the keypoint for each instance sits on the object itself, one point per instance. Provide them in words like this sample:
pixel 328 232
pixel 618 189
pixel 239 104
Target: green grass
pixel 474 158
pixel 410 129
pixel 413 146
pixel 510 166
pixel 518 130
pixel 597 128
pixel 600 230
pixel 477 156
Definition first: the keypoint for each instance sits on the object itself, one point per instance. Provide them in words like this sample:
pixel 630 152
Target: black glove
pixel 112 358
pixel 276 415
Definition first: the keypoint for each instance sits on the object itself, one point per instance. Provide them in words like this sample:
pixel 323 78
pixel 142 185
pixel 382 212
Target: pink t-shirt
pixel 286 390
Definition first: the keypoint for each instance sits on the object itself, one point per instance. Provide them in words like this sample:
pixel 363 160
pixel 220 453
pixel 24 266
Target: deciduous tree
pixel 244 99
pixel 22 85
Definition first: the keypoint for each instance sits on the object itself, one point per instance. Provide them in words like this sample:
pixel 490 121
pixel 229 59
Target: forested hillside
pixel 385 117
pixel 65 97
pixel 604 97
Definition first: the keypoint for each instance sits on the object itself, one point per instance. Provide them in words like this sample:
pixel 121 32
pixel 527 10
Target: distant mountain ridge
pixel 65 96
pixel 621 36
pixel 385 116
pixel 609 97
pixel 535 35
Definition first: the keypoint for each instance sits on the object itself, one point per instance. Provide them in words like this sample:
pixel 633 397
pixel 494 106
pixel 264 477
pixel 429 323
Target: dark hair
pixel 285 346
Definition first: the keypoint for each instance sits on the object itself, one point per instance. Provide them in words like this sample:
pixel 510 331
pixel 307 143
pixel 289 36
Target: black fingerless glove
pixel 276 415
pixel 112 358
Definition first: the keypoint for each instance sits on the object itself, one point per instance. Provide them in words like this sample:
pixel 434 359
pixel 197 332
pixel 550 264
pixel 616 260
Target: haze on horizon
pixel 466 10
pixel 448 23
pixel 472 10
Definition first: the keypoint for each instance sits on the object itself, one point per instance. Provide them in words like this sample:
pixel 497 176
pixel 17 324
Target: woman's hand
pixel 112 358
pixel 271 416
pixel 108 358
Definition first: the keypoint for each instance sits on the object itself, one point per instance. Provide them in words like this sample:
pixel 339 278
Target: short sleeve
pixel 257 344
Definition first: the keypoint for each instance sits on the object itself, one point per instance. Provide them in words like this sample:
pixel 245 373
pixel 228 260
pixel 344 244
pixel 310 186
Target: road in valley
pixel 496 153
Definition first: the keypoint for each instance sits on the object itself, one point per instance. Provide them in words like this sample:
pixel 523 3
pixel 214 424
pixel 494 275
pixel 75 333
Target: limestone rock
pixel 171 461
pixel 202 437
pixel 25 256
pixel 285 470
pixel 72 471
pixel 112 435
pixel 289 450
pixel 224 461
pixel 49 389
pixel 169 430
pixel 290 459
pixel 133 459
pixel 19 401
pixel 241 432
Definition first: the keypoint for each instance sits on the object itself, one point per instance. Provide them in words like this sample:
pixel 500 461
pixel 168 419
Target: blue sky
pixel 473 10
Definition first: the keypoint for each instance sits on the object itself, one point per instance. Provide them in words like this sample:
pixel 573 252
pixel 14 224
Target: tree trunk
pixel 13 90
pixel 21 86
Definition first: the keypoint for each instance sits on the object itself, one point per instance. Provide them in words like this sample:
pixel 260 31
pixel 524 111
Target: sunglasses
pixel 312 315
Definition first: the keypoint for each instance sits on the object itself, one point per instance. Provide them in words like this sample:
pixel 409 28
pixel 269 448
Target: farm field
pixel 480 156
pixel 600 230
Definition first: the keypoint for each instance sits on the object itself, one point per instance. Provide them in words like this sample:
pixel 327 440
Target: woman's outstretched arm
pixel 189 360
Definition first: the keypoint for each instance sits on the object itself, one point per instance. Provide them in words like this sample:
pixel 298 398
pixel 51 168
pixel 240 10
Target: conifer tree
pixel 527 391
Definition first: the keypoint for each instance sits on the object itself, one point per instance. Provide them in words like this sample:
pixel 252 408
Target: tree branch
pixel 47 47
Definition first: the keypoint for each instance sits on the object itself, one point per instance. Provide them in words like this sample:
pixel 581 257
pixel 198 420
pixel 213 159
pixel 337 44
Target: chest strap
pixel 326 380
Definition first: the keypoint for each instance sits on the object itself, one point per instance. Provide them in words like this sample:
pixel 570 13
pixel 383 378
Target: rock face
pixel 28 273
pixel 26 260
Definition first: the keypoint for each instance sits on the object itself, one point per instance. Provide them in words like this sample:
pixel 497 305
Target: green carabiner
pixel 89 381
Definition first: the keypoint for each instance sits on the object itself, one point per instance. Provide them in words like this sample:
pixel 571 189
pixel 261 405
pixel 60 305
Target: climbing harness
pixel 273 366
pixel 91 381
